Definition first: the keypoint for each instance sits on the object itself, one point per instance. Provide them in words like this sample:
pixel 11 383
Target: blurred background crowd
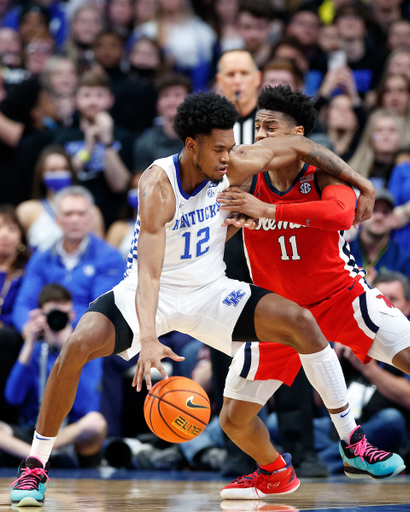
pixel 88 94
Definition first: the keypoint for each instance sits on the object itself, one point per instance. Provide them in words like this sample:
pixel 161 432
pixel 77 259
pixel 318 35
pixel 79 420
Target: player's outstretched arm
pixel 329 162
pixel 277 152
pixel 156 208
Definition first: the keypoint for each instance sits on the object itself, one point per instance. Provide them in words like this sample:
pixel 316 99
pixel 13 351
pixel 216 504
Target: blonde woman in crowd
pixel 60 79
pixel 87 22
pixel 383 136
pixel 176 28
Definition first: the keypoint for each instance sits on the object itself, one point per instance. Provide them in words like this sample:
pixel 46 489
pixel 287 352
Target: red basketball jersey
pixel 301 263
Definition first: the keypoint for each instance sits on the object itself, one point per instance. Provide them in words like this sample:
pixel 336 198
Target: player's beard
pixel 216 181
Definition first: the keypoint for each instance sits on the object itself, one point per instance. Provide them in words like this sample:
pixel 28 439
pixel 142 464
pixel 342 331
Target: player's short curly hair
pixel 296 106
pixel 200 113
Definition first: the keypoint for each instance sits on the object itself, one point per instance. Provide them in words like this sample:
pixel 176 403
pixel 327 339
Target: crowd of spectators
pixel 88 94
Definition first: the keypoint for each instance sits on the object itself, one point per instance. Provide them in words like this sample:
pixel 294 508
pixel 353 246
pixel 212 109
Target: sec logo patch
pixel 305 188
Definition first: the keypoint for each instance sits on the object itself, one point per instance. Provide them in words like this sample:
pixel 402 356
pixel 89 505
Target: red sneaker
pixel 262 484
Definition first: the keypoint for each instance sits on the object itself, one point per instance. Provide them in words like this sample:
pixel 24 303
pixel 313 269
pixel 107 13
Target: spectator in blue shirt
pixel 399 186
pixel 86 265
pixel 44 335
pixel 374 249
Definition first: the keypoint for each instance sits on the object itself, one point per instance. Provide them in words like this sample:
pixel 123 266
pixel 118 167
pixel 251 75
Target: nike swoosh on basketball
pixel 344 415
pixel 191 405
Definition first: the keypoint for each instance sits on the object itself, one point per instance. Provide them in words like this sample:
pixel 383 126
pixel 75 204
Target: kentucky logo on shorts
pixel 234 298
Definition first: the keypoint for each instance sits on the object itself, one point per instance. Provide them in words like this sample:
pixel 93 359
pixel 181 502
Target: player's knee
pixel 308 337
pixel 230 418
pixel 225 421
pixel 76 350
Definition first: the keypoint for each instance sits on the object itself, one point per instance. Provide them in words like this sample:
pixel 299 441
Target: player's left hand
pixel 365 206
pixel 236 200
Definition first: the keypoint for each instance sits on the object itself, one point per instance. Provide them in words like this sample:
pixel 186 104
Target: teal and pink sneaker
pixel 30 487
pixel 362 460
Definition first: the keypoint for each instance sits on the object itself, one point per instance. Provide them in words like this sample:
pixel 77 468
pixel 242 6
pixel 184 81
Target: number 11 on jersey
pixel 283 249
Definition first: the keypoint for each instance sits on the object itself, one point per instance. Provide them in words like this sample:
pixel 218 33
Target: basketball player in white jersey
pixel 175 276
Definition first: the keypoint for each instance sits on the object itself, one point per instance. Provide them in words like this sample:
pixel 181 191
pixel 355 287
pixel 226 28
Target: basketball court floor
pixel 109 490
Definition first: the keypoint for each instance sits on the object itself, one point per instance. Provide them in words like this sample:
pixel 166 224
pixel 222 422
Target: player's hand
pixel 236 200
pixel 152 351
pixel 365 205
pixel 240 220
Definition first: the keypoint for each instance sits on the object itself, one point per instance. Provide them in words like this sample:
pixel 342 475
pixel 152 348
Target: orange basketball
pixel 177 409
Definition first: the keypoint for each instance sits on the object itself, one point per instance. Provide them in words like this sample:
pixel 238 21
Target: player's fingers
pixel 228 200
pixel 138 377
pixel 162 371
pixel 230 207
pixel 170 353
pixel 233 188
pixel 147 374
pixel 230 221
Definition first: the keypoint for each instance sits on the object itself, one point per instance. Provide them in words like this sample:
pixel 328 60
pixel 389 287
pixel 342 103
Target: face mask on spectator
pixel 56 180
pixel 132 198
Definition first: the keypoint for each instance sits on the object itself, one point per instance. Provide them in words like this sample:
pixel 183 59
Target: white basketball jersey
pixel 195 239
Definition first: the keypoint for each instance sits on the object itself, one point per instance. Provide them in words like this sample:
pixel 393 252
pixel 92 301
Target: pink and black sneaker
pixel 30 487
pixel 362 460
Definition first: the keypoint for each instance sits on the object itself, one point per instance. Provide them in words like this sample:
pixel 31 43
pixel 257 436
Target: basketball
pixel 177 409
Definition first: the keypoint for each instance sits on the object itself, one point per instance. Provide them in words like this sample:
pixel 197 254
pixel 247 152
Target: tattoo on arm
pixel 331 163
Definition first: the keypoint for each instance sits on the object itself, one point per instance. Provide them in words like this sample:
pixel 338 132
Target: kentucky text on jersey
pixel 195 236
pixel 191 218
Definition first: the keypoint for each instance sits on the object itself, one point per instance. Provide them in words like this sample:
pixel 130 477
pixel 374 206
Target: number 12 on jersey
pixel 202 237
pixel 293 246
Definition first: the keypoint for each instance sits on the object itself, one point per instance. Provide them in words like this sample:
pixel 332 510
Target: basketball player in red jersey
pixel 298 252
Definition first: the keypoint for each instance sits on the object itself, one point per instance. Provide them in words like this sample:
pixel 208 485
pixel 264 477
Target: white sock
pixel 41 447
pixel 344 423
pixel 324 372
